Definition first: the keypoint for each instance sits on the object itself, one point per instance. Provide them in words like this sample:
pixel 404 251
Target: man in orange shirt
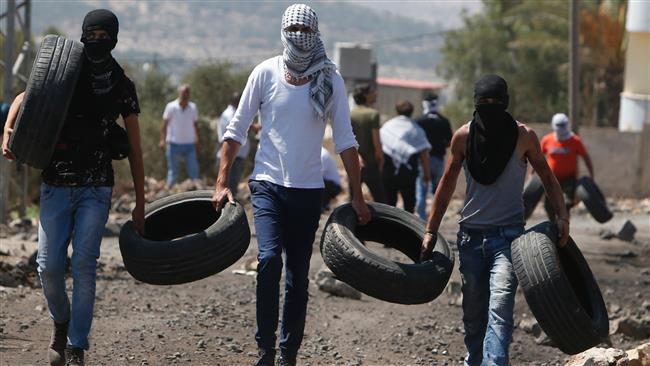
pixel 562 148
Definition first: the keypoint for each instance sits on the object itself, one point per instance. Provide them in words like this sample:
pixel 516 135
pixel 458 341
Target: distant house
pixel 389 91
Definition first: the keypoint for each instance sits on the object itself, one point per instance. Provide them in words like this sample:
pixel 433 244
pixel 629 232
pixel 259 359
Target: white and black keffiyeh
pixel 304 56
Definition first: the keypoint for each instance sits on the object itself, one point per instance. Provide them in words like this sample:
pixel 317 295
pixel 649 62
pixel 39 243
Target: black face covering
pixel 492 133
pixel 99 50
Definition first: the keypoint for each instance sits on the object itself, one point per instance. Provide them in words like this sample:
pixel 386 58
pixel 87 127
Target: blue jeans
pixel 489 285
pixel 177 152
pixel 437 167
pixel 286 220
pixel 76 214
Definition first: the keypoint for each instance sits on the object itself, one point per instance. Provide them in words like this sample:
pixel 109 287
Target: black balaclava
pixel 492 133
pixel 100 50
pixel 103 72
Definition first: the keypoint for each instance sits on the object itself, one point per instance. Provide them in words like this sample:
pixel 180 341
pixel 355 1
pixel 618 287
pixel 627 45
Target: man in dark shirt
pixel 77 185
pixel 438 131
pixel 365 124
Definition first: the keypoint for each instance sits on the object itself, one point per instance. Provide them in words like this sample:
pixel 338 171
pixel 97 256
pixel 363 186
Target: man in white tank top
pixel 493 148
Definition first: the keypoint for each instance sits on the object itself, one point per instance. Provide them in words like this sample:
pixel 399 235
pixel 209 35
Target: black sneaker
pixel 267 358
pixel 56 352
pixel 74 357
pixel 285 360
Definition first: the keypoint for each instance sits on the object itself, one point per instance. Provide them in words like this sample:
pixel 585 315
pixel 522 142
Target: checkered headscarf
pixel 304 56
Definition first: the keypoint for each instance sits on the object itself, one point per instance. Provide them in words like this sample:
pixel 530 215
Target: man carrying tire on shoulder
pixel 77 184
pixel 493 149
pixel 295 93
pixel 562 148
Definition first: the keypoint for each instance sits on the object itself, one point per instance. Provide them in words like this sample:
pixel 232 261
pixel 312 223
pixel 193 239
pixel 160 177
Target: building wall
pixel 388 96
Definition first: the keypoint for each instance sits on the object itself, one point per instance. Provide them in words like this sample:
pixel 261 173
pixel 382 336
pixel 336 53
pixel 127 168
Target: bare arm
pixel 350 158
pixel 379 153
pixel 137 169
pixel 551 185
pixel 163 133
pixel 589 165
pixel 445 190
pixel 221 189
pixel 9 126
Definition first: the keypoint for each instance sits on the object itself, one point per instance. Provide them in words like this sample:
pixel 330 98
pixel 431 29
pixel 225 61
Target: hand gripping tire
pixel 185 239
pixel 593 199
pixel 345 254
pixel 49 91
pixel 560 289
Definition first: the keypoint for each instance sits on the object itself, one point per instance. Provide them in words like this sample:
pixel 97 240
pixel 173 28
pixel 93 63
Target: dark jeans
pixel 329 193
pixel 286 220
pixel 569 189
pixel 403 182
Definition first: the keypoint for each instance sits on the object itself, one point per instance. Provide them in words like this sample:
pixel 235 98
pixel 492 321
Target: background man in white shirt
pixel 296 94
pixel 179 135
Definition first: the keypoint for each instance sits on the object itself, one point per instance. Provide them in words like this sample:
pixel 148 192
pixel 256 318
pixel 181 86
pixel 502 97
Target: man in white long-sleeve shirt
pixel 295 93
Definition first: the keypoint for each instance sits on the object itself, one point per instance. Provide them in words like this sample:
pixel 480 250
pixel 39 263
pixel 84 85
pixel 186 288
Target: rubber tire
pixel 353 263
pixel 589 193
pixel 208 244
pixel 533 192
pixel 50 89
pixel 560 290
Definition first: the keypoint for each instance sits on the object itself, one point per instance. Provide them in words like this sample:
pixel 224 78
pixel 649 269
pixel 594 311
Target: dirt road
pixel 212 322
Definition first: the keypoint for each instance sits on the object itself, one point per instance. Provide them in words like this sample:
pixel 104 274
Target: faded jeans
pixel 489 285
pixel 177 152
pixel 77 215
pixel 437 167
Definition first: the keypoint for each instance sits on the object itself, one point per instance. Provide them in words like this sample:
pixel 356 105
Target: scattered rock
pixel 453 288
pixel 627 231
pixel 639 356
pixel 530 326
pixel 598 357
pixel 112 229
pixel 327 283
pixel 631 327
pixel 607 234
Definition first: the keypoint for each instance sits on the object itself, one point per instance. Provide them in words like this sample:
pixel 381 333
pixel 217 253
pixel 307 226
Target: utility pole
pixel 5 168
pixel 10 15
pixel 574 64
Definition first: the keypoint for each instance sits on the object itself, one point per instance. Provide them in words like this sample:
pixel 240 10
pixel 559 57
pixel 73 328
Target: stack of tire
pixel 587 191
pixel 48 94
pixel 560 290
pixel 185 239
pixel 343 250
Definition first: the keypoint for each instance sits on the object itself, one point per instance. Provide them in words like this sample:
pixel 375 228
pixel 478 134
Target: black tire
pixel 345 254
pixel 185 239
pixel 533 192
pixel 49 91
pixel 593 199
pixel 560 290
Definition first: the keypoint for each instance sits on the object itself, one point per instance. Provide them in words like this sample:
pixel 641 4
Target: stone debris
pixel 327 283
pixel 598 356
pixel 627 231
pixel 639 356
pixel 636 328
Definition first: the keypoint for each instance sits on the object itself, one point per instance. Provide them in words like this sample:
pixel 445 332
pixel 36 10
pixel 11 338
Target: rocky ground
pixel 212 321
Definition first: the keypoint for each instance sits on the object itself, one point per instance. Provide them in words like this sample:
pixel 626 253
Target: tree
pixel 526 42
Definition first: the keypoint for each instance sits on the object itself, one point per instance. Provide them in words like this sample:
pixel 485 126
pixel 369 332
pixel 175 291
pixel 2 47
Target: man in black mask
pixel 77 185
pixel 494 149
